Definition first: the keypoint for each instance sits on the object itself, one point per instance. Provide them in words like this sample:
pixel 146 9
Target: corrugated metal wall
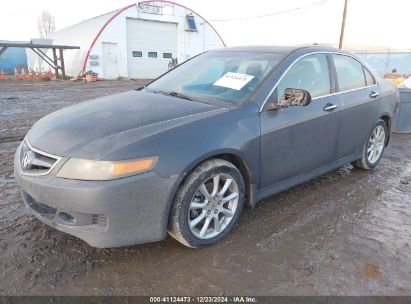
pixel 13 58
pixel 385 62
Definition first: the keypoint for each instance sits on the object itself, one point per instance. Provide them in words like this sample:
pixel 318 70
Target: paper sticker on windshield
pixel 233 81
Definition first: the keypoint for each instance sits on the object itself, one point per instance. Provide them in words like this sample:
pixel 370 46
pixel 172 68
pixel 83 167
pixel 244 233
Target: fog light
pixel 67 218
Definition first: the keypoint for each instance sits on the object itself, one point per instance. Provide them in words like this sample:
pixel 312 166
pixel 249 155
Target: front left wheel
pixel 208 204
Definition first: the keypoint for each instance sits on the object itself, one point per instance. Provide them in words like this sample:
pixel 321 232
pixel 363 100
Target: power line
pixel 273 14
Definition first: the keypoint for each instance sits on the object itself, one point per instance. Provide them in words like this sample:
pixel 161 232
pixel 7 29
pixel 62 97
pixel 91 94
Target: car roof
pixel 282 49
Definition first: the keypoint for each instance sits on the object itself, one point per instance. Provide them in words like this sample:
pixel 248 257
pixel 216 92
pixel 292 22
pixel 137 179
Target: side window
pixel 368 77
pixel 310 73
pixel 350 73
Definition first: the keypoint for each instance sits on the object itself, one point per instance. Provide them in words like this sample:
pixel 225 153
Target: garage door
pixel 150 47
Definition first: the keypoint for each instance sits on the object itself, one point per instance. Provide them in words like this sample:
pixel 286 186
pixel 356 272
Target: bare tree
pixel 46 24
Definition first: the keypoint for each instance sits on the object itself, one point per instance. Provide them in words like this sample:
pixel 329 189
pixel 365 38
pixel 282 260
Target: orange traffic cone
pixel 37 76
pixel 50 74
pixel 3 75
pixel 16 74
pixel 30 74
pixel 42 75
pixel 23 74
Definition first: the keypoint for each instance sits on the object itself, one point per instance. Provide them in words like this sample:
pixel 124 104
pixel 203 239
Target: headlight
pixel 104 170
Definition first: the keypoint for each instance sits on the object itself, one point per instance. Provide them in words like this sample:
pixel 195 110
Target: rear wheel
pixel 373 148
pixel 208 204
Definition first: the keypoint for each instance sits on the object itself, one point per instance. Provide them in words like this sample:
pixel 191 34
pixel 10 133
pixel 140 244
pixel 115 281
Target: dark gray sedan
pixel 186 153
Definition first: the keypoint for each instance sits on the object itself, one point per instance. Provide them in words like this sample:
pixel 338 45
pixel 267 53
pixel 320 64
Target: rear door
pixel 298 139
pixel 358 93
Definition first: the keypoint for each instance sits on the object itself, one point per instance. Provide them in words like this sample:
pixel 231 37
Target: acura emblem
pixel 27 159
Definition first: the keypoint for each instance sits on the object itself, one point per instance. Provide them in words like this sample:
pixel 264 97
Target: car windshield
pixel 227 76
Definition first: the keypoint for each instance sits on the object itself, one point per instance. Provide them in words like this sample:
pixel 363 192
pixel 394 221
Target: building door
pixel 110 66
pixel 150 47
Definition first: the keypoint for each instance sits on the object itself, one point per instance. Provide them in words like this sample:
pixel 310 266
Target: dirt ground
pixel 345 233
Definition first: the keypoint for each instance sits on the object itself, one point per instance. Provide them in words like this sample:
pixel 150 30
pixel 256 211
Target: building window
pixel 152 54
pixel 191 23
pixel 137 54
pixel 167 55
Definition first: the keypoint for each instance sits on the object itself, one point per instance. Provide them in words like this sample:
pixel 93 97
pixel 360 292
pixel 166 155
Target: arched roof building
pixel 137 41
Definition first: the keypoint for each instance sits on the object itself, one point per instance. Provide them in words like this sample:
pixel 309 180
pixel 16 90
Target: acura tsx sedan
pixel 187 152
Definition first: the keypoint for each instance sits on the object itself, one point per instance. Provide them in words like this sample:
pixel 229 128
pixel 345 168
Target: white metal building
pixel 33 60
pixel 137 41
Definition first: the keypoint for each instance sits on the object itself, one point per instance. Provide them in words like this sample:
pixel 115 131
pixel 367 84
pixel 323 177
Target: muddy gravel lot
pixel 345 233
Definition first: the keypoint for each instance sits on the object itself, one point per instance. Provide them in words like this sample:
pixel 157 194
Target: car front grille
pixel 35 162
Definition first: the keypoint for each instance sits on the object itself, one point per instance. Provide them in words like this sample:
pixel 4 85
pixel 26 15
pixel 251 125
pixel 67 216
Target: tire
pixel 375 142
pixel 204 198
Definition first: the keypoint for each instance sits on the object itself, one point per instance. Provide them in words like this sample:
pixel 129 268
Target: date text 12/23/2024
pixel 203 299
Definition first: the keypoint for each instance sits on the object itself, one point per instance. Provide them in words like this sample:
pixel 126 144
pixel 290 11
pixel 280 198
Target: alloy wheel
pixel 213 206
pixel 376 144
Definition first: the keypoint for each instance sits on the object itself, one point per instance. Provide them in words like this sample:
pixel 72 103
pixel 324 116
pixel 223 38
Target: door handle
pixel 374 94
pixel 330 107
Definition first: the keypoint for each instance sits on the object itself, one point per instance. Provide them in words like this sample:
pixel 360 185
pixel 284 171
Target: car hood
pixel 64 132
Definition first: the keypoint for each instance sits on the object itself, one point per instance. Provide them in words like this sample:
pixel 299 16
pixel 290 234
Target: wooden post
pixel 56 65
pixel 63 71
pixel 340 45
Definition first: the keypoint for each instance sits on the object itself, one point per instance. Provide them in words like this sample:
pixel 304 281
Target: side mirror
pixel 294 97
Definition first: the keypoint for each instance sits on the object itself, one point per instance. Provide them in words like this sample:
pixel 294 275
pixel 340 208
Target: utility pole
pixel 343 24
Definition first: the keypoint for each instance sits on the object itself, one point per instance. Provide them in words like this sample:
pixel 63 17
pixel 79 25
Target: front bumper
pixel 105 214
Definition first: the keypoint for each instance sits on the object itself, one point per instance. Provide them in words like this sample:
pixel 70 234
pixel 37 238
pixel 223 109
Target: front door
pixel 298 139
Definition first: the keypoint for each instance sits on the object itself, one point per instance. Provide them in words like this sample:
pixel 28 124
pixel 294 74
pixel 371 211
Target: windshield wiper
pixel 174 94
